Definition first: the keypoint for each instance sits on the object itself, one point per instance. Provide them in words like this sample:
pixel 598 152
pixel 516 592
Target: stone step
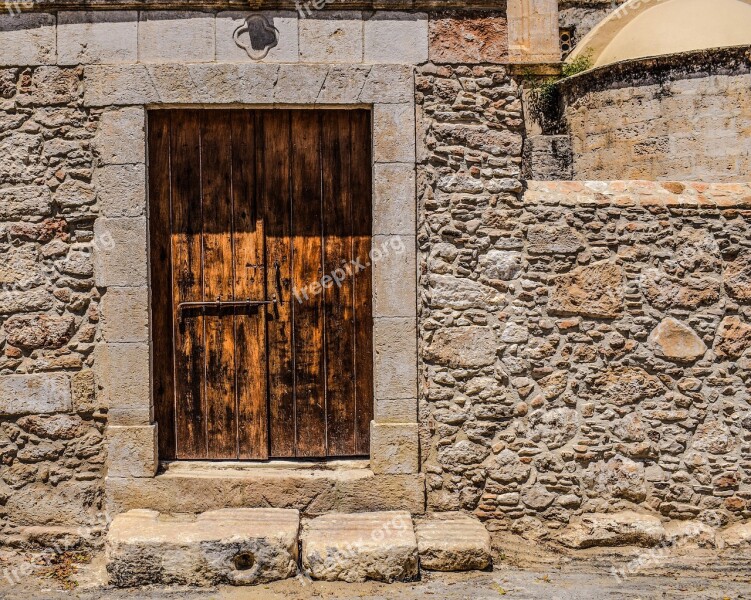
pixel 356 547
pixel 453 542
pixel 242 546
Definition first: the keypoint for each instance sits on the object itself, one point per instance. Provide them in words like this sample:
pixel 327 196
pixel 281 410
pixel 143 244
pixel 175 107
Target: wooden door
pixel 261 308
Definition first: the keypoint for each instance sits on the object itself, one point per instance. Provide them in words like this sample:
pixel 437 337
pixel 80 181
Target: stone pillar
pixel 533 31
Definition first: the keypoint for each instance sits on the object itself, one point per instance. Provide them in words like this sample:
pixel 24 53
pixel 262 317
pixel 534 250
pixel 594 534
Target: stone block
pixel 394 133
pixel 453 542
pixel 132 451
pixel 394 448
pixel 396 38
pixel 596 290
pixel 395 344
pixel 394 204
pixel 118 85
pixel 332 37
pixel 343 84
pixel 299 84
pixel 396 410
pixel 533 35
pixel 176 36
pixel 241 546
pixel 676 341
pixel 121 190
pixel 463 347
pixel 34 394
pixel 125 315
pixel 121 137
pixel 736 535
pixel 120 252
pixel 388 84
pixel 394 276
pixel 97 37
pixel 548 158
pixel 614 529
pixel 285 23
pixel 457 37
pixel 25 201
pixel 357 547
pixel 124 375
pixel 28 39
pixel 83 385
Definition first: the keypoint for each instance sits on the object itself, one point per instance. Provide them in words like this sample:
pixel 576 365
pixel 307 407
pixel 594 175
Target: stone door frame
pixel 123 364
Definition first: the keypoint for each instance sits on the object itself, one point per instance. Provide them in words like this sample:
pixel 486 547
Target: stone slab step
pixel 453 542
pixel 241 546
pixel 356 547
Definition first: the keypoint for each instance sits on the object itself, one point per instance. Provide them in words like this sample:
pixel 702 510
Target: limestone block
pixel 356 547
pixel 394 448
pixel 176 36
pixel 97 37
pixel 121 137
pixel 616 529
pixel 394 199
pixel 395 344
pixel 394 276
pixel 396 410
pixel 34 394
pixel 125 315
pixel 665 292
pixel 463 347
pixel 25 201
pixel 388 84
pixel 124 375
pixel 120 252
pixel 676 341
pixel 240 546
pixel 332 37
pixel 132 451
pixel 396 38
pixel 468 38
pixel 461 293
pixel 592 291
pixel 121 190
pixel 28 39
pixel 343 84
pixel 394 133
pixel 299 83
pixel 737 278
pixel 285 23
pixel 533 31
pixel 118 85
pixel 452 542
pixel 83 385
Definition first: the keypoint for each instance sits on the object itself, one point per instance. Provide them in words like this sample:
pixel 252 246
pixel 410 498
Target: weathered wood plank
pixel 307 269
pixel 250 284
pixel 160 223
pixel 273 153
pixel 218 278
pixel 363 287
pixel 187 257
pixel 339 337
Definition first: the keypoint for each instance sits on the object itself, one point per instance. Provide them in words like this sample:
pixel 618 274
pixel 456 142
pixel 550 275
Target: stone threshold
pixel 205 468
pixel 48 5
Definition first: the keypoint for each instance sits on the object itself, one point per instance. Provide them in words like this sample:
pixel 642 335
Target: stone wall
pixel 51 472
pixel 684 117
pixel 580 16
pixel 587 350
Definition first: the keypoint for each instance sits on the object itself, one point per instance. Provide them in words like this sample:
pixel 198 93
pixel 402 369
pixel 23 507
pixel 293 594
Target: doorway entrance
pixel 260 232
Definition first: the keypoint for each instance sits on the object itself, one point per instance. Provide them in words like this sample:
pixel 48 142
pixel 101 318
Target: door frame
pixel 123 365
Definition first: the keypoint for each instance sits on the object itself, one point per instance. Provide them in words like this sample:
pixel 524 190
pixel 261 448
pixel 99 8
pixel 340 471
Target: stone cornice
pixel 402 5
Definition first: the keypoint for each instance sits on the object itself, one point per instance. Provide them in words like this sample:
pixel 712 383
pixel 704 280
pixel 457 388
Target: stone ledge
pixel 44 5
pixel 639 193
pixel 235 546
pixel 312 491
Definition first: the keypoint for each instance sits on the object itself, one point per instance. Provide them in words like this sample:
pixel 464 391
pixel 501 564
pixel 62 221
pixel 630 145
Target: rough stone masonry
pixel 583 347
pixel 51 432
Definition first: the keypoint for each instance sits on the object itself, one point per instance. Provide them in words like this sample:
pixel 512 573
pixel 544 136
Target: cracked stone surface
pixel 356 547
pixel 240 546
pixel 452 542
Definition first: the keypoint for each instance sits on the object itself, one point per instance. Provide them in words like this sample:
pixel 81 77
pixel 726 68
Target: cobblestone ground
pixel 523 576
